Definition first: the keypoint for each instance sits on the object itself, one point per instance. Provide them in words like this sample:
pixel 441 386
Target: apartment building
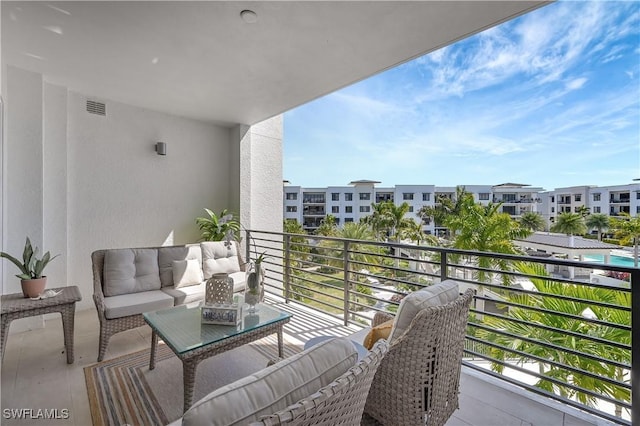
pixel 350 203
pixel 609 200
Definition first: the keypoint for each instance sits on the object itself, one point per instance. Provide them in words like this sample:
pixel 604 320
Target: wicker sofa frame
pixel 341 402
pixel 111 326
pixel 419 378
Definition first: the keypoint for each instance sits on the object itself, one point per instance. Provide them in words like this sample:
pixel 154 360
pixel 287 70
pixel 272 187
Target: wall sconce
pixel 161 148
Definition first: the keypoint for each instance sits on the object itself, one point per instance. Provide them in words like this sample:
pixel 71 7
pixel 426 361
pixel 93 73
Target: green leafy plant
pixel 31 267
pixel 218 227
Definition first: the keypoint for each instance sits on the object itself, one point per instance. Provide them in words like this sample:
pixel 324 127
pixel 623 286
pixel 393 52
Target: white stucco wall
pixel 78 182
pixel 23 158
pixel 261 175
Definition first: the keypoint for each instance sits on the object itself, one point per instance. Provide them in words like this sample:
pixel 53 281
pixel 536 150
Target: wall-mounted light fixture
pixel 161 148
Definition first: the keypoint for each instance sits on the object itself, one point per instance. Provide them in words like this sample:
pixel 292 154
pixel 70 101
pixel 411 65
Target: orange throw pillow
pixel 378 332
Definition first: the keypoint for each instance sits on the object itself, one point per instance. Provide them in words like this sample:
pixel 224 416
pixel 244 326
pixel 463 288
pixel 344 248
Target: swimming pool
pixel 615 260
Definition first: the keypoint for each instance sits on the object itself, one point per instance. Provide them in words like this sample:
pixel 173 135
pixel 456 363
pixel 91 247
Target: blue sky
pixel 550 99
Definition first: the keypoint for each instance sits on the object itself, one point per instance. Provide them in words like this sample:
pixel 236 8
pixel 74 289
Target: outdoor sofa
pixel 130 281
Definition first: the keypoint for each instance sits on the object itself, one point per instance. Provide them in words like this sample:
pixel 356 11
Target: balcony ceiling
pixel 202 60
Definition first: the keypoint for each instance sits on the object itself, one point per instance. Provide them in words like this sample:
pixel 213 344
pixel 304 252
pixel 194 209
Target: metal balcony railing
pixel 562 329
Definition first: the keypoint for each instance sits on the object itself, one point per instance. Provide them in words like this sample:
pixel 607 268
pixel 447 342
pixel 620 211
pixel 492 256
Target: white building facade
pixel 609 200
pixel 350 203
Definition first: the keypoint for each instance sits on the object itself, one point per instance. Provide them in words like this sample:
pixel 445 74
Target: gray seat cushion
pixel 239 279
pixel 136 303
pixel 182 295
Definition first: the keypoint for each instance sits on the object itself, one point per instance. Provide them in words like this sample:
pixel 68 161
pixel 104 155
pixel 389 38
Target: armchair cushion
pixel 129 271
pixel 438 294
pixel 274 388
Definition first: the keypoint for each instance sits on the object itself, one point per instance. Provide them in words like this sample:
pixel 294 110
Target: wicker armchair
pixel 108 327
pixel 418 379
pixel 340 402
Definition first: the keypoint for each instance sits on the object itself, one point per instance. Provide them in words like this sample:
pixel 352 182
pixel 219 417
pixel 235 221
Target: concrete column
pixel 261 175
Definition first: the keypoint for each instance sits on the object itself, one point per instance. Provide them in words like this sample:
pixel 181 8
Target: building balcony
pixel 336 291
pixel 534 333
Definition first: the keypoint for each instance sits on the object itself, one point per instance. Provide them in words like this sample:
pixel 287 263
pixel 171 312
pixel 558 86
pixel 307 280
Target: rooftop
pixel 566 241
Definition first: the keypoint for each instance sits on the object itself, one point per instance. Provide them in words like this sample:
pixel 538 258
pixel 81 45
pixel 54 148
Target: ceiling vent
pixel 98 108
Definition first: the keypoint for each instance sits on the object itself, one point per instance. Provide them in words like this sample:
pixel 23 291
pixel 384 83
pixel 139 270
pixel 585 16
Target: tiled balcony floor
pixel 34 369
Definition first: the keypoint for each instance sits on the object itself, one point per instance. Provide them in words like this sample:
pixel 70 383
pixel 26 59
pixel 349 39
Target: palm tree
pixel 486 229
pixel 536 319
pixel 328 226
pixel 445 207
pixel 628 230
pixel 570 224
pixel 396 219
pixel 532 221
pixel 583 211
pixel 598 221
pixel 378 220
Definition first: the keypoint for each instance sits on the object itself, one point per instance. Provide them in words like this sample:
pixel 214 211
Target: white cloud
pixel 576 83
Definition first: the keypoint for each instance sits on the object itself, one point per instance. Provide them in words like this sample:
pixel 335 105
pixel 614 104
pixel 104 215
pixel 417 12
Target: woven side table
pixel 16 306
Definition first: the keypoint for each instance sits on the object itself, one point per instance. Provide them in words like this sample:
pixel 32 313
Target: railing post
pixel 346 282
pixel 443 266
pixel 287 264
pixel 635 347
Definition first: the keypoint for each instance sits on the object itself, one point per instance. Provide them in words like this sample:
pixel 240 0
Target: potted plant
pixel 216 228
pixel 31 278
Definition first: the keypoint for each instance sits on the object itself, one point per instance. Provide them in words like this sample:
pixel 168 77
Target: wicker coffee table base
pixel 191 359
pixel 15 306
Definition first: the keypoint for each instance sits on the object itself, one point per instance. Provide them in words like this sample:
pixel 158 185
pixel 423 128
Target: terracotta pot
pixel 33 288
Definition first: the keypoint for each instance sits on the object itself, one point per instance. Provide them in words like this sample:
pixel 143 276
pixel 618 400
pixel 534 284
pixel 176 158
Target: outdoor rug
pixel 124 391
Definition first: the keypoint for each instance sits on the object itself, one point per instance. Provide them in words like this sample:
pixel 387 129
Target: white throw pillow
pixel 274 388
pixel 186 273
pixel 438 294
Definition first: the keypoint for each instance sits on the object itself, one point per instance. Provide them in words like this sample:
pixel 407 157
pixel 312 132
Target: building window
pixel 596 197
pixel 596 209
pixel 553 199
pixel 348 196
pixel 407 195
pixel 553 209
pixel 577 197
pixel 365 209
pixel 426 196
pixel 637 195
pixel 348 219
pixel 483 196
pixel 410 209
pixel 313 198
pixel 348 209
pixel 365 196
pixel 292 196
pixel 335 196
pixel 335 209
pixel 637 209
pixel 292 209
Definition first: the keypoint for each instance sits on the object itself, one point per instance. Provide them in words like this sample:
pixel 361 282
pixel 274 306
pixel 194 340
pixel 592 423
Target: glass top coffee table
pixel 181 329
